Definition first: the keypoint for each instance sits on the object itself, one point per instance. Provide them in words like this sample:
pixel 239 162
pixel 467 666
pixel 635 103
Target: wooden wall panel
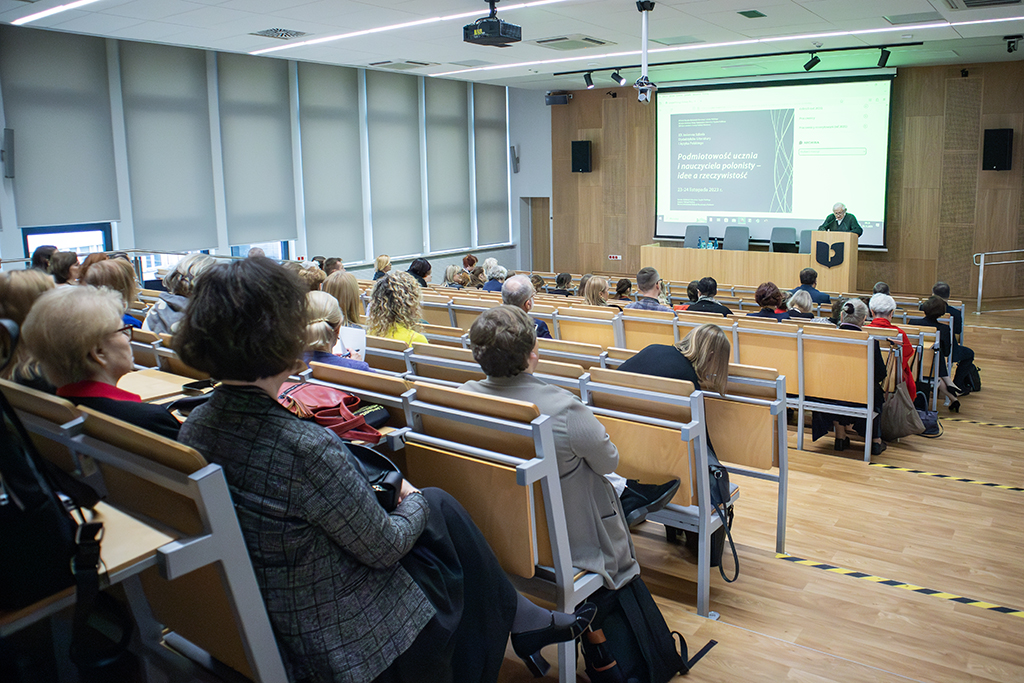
pixel 941 207
pixel 540 221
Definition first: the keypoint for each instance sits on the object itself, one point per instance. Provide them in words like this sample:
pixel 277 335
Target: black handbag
pixel 381 474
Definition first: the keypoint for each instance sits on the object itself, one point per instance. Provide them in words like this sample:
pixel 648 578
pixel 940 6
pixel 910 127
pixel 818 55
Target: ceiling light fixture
pixel 396 27
pixel 53 10
pixel 589 81
pixel 618 77
pixel 883 57
pixel 812 62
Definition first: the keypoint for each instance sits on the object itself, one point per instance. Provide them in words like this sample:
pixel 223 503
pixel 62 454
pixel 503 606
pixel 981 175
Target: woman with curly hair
pixel 395 309
pixel 770 299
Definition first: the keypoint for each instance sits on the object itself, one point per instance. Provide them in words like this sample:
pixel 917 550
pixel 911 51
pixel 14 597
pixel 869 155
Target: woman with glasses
pixel 85 365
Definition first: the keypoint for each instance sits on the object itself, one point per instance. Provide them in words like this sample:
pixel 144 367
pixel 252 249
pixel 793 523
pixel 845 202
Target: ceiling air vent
pixel 401 66
pixel 279 33
pixel 979 4
pixel 917 18
pixel 576 41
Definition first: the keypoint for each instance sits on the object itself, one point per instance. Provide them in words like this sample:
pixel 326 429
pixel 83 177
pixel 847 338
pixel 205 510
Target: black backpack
pixel 967 377
pixel 638 646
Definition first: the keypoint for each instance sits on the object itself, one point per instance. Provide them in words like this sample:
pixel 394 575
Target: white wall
pixel 529 123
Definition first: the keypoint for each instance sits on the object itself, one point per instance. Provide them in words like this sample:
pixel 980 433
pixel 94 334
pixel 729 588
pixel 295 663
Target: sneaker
pixel 639 500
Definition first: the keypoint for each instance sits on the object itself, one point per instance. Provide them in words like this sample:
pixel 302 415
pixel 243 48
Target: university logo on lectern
pixel 834 259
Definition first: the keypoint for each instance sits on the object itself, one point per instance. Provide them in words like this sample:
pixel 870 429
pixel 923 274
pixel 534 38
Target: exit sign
pixel 614 257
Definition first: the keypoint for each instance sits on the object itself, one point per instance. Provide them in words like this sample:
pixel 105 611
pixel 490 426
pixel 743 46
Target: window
pixel 84 238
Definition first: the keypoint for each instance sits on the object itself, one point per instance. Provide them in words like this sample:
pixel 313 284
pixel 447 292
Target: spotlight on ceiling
pixel 589 81
pixel 812 62
pixel 617 77
pixel 883 57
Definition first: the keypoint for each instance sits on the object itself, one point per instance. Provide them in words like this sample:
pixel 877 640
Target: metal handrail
pixel 981 269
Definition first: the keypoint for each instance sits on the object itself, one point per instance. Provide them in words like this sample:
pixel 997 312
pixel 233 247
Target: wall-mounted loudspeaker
pixel 514 156
pixel 581 156
pixel 998 151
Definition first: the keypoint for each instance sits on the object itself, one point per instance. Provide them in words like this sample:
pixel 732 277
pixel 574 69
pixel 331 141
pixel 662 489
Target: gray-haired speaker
pixel 7 153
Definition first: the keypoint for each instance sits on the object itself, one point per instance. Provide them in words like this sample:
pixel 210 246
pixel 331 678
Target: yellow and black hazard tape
pixel 948 476
pixel 899 584
pixel 979 422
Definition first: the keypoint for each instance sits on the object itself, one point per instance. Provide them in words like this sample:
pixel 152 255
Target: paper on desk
pixel 351 339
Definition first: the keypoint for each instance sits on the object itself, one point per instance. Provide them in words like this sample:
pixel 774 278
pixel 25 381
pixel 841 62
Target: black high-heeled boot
pixel 954 407
pixel 528 644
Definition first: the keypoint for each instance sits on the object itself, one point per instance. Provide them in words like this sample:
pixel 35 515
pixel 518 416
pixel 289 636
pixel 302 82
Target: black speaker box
pixel 581 156
pixel 998 150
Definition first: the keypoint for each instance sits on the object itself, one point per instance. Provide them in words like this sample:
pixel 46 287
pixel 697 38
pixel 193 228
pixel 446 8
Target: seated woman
pixel 692 293
pixel 538 284
pixel 420 270
pixel 882 307
pixel 769 298
pixel 163 316
pixel 313 277
pixel 344 287
pixel 394 311
pixel 19 290
pixel 623 289
pixel 88 263
pixel 450 274
pixel 934 308
pixel 86 364
pixel 495 277
pixel 596 292
pixel 64 268
pixel 800 305
pixel 468 263
pixel 354 593
pixel 702 357
pixel 562 283
pixel 118 275
pixel 381 266
pixel 853 313
pixel 323 320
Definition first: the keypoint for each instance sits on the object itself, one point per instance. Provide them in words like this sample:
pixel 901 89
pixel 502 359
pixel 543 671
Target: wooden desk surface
pixel 153 384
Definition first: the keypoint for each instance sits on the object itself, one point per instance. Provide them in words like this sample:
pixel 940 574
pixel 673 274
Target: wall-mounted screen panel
pixel 777 154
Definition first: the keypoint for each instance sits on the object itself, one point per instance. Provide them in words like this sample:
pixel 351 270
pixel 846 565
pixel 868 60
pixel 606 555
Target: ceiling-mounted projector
pixel 491 30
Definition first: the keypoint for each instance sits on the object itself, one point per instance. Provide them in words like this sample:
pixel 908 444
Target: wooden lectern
pixel 830 247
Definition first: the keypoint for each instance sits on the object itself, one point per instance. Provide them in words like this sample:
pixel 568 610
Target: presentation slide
pixel 772 155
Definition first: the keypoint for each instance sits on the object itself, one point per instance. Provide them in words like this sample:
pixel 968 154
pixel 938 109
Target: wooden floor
pixel 788 622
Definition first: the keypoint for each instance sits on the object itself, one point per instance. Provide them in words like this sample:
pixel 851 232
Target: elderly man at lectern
pixel 840 221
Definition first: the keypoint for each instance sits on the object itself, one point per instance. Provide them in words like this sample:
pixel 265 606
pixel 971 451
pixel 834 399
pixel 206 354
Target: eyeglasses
pixel 126 331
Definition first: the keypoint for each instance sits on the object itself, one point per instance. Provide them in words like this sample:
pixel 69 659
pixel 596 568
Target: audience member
pixel 882 307
pixel 319 261
pixel 880 288
pixel 382 265
pixel 64 268
pixel 420 270
pixel 538 284
pixel 707 288
pixel 518 291
pixel 394 311
pixel 934 308
pixel 354 592
pixel 333 265
pixel 323 320
pixel 476 278
pixel 41 257
pixel 468 263
pixel 648 285
pixel 836 316
pixel 808 282
pixel 799 305
pixel 461 280
pixel 344 287
pixel 769 298
pixel 449 276
pixel 692 293
pixel 595 293
pixel 495 276
pixel 256 251
pixel 313 277
pixel 562 283
pixel 624 289
pixel 118 275
pixel 853 312
pixel 86 365
pixel 88 263
pixel 164 315
pixel 702 357
pixel 941 290
pixel 19 290
pixel 505 345
pixel 581 288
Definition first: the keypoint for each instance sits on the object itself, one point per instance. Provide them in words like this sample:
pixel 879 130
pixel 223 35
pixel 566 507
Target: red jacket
pixel 908 350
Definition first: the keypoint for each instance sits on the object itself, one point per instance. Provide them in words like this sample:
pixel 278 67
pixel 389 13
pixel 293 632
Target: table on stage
pixel 754 267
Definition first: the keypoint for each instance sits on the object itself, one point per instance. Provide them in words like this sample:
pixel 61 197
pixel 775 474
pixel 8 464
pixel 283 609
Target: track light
pixel 812 62
pixel 617 77
pixel 883 58
pixel 589 81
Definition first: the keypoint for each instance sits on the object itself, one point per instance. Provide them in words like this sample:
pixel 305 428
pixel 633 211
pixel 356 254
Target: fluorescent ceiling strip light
pixel 752 41
pixel 396 27
pixel 53 10
pixel 985 21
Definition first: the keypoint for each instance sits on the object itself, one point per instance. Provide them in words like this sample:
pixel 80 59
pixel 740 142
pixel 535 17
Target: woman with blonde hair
pixel 702 357
pixel 344 287
pixel 800 305
pixel 394 311
pixel 538 283
pixel 19 290
pixel 312 277
pixel 450 274
pixel 323 320
pixel 118 275
pixel 382 266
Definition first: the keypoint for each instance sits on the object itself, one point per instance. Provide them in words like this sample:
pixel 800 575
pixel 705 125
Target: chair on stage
pixel 694 235
pixel 737 238
pixel 783 240
pixel 805 241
